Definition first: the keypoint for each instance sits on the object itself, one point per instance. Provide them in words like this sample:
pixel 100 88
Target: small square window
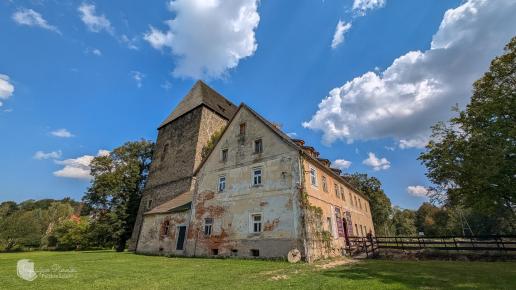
pixel 222 183
pixel 257 176
pixel 214 252
pixel 234 252
pixel 255 252
pixel 258 146
pixel 256 220
pixel 224 155
pixel 208 223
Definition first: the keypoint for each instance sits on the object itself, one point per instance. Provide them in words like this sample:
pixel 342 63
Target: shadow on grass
pixel 408 275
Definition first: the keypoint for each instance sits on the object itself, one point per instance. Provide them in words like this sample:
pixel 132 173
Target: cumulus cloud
pixel 77 168
pixel 417 190
pixel 6 88
pixel 93 21
pixel 41 155
pixel 419 88
pixel 340 30
pixel 361 6
pixel 342 164
pixel 377 163
pixel 30 17
pixel 137 77
pixel 208 37
pixel 62 133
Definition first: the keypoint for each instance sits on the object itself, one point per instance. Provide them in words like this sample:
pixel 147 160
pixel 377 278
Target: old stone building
pixel 258 193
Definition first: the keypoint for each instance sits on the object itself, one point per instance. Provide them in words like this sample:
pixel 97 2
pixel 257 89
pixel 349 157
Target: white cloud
pixel 30 17
pixel 417 190
pixel 40 155
pixel 342 164
pixel 361 6
pixel 208 37
pixel 413 143
pixel 77 168
pixel 94 22
pixel 377 163
pixel 419 88
pixel 96 52
pixel 137 77
pixel 62 133
pixel 292 134
pixel 6 88
pixel 340 30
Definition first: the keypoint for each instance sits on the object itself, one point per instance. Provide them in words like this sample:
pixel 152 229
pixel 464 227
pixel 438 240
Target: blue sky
pixel 361 80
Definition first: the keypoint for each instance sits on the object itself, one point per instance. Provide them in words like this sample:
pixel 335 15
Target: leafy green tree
pixel 404 222
pixel 116 189
pixel 20 229
pixel 471 159
pixel 71 234
pixel 381 208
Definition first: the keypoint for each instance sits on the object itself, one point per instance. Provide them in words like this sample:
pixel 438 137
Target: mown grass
pixel 111 270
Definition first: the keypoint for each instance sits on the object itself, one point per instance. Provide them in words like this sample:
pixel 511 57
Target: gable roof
pixel 286 139
pixel 178 203
pixel 202 94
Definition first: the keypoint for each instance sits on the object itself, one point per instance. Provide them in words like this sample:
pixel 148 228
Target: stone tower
pixel 177 154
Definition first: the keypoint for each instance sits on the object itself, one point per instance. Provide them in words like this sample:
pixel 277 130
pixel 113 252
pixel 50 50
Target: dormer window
pixel 258 146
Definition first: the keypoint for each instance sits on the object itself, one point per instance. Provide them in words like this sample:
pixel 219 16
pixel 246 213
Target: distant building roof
pixel 180 202
pixel 202 94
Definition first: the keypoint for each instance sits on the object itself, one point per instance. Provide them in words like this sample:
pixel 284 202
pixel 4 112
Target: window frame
pixel 258 144
pixel 224 155
pixel 208 227
pixel 222 181
pixel 324 182
pixel 313 176
pixel 256 177
pixel 242 128
pixel 253 224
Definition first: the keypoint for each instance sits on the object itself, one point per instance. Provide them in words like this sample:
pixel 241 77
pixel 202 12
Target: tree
pixel 380 204
pixel 116 189
pixel 471 159
pixel 404 222
pixel 20 229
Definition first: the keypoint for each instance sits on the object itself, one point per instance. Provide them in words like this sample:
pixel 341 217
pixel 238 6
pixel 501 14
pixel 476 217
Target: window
pixel 255 252
pixel 165 227
pixel 149 204
pixel 208 223
pixel 258 146
pixel 215 252
pixel 336 189
pixel 222 183
pixel 257 176
pixel 242 129
pixel 165 151
pixel 224 155
pixel 360 203
pixel 313 176
pixel 330 227
pixel 361 230
pixel 324 185
pixel 356 229
pixel 234 252
pixel 256 223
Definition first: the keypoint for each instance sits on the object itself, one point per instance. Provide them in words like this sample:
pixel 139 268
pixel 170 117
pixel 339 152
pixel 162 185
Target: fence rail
pixel 370 245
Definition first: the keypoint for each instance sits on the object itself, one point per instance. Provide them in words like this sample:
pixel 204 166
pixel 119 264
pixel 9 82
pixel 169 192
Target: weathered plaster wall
pixel 327 201
pixel 152 239
pixel 277 199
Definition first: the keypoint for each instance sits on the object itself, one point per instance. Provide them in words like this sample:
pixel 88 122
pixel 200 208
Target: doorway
pixel 181 238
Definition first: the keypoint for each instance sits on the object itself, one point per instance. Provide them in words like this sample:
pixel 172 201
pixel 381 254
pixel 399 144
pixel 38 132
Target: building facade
pixel 258 193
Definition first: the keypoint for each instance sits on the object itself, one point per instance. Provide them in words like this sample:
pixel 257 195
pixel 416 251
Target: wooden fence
pixel 370 245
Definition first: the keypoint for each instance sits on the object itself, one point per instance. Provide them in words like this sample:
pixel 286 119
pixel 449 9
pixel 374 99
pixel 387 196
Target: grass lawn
pixel 110 270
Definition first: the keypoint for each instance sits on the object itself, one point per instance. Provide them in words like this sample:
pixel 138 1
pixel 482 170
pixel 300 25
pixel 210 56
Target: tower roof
pixel 202 94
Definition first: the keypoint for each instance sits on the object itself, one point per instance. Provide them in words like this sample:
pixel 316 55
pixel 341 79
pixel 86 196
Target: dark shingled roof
pixel 202 94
